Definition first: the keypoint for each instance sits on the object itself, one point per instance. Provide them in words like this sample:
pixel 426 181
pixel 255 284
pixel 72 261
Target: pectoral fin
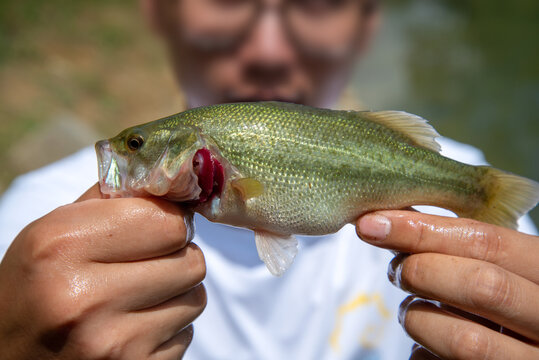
pixel 276 251
pixel 248 188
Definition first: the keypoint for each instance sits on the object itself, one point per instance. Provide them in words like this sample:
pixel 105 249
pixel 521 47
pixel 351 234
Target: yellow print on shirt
pixel 372 334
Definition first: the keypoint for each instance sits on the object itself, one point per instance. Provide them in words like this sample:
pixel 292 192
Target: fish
pixel 282 169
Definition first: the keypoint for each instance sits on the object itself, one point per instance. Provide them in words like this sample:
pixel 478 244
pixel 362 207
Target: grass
pixel 95 60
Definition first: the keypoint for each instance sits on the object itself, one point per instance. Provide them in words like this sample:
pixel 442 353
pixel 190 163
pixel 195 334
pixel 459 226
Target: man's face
pixel 298 51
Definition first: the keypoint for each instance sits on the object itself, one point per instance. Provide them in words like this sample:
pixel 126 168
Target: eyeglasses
pixel 323 28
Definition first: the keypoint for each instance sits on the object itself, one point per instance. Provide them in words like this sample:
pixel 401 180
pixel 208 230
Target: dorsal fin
pixel 411 126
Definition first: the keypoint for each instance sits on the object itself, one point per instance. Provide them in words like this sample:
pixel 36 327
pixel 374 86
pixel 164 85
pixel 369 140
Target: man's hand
pixel 102 279
pixel 470 268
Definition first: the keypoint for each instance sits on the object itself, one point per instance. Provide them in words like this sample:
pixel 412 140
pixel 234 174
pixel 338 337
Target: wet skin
pixel 41 319
pixel 470 267
pixel 45 318
pixel 96 280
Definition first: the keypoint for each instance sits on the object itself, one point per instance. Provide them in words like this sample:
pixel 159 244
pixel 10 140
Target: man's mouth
pixel 264 95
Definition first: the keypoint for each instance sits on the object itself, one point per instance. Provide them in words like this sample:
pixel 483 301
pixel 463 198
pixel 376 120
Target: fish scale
pixel 305 170
pixel 290 157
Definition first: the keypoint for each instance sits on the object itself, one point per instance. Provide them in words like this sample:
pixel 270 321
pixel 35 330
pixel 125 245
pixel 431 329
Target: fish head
pixel 148 160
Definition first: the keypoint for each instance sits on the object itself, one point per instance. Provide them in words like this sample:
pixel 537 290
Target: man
pixel 115 279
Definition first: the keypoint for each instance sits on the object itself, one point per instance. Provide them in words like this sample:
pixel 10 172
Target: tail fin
pixel 508 198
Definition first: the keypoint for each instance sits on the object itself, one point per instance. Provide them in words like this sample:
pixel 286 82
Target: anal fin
pixel 276 251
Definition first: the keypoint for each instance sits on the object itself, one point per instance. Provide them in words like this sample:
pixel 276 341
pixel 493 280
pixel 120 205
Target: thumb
pixel 92 193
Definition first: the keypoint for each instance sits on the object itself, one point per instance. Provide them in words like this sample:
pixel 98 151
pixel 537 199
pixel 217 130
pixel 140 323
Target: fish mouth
pixel 199 179
pixel 111 181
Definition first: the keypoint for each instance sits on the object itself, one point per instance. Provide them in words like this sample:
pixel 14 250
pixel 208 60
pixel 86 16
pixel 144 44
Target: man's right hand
pixel 102 279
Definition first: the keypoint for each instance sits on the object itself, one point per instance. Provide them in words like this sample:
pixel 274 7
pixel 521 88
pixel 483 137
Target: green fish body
pixel 283 169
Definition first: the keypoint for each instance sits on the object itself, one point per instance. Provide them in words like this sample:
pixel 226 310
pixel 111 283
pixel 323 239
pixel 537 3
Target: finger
pixel 170 317
pixel 117 230
pixel 474 286
pixel 483 321
pixel 473 317
pixel 413 232
pixel 452 337
pixel 174 348
pixel 420 353
pixel 144 284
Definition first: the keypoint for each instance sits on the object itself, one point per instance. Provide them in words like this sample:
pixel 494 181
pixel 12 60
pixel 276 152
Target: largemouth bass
pixel 282 169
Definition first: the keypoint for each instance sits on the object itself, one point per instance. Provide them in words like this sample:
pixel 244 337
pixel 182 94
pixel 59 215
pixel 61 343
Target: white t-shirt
pixel 334 302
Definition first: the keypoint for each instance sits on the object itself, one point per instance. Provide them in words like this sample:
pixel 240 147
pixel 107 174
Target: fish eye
pixel 134 142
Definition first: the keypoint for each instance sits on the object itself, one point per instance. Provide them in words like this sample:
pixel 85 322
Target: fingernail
pixel 374 227
pixel 403 307
pixel 394 269
pixel 421 353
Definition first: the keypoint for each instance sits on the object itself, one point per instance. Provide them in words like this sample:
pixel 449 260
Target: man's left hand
pixel 480 276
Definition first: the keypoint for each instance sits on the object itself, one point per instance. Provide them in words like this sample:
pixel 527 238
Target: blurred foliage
pixel 95 60
pixel 19 20
pixel 472 67
pixel 476 75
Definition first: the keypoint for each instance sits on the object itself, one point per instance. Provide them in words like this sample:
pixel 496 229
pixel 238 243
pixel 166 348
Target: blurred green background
pixel 71 71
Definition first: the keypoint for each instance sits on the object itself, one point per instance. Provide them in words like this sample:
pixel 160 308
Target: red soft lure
pixel 210 173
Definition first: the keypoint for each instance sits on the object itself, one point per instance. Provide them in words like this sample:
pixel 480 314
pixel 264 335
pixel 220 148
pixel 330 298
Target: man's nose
pixel 267 52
